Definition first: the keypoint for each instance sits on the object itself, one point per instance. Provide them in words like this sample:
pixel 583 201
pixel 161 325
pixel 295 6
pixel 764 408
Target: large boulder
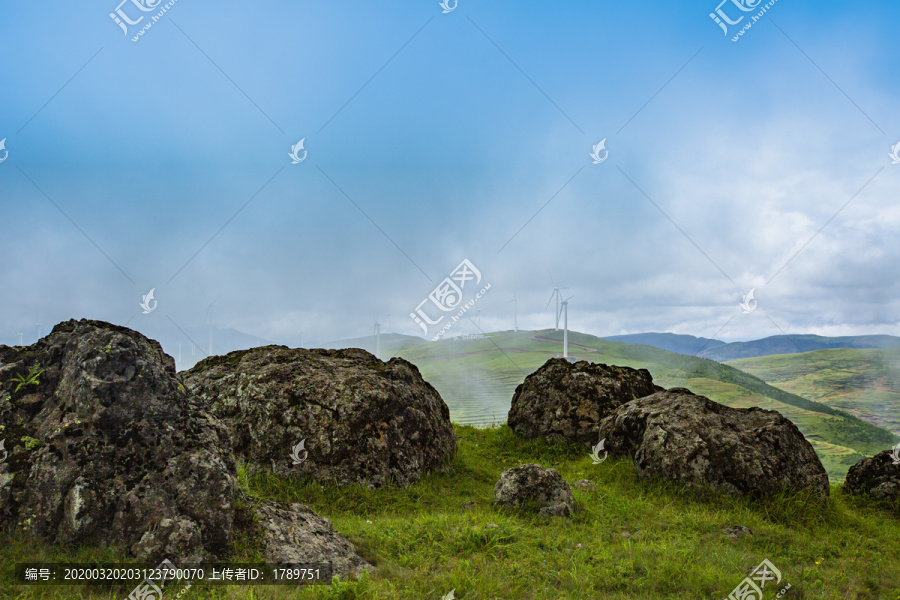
pixel 679 436
pixel 360 420
pixel 565 402
pixel 878 476
pixel 106 447
pixel 531 486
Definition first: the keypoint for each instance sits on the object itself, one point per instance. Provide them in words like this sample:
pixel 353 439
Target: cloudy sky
pixel 161 161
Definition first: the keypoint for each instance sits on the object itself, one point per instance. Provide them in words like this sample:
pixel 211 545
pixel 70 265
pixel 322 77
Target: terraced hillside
pixel 865 383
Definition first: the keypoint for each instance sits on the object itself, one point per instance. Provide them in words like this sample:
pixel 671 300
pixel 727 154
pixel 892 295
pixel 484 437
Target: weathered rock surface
pixel 292 533
pixel 877 476
pixel 362 420
pixel 533 486
pixel 108 448
pixel 565 401
pixel 679 436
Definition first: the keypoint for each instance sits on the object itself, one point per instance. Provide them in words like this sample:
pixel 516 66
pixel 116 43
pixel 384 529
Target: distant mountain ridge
pixel 720 351
pixel 673 342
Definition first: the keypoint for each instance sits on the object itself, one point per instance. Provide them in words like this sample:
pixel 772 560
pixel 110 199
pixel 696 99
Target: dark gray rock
pixel 292 533
pixel 565 402
pixel 877 476
pixel 532 486
pixel 362 420
pixel 107 448
pixel 678 436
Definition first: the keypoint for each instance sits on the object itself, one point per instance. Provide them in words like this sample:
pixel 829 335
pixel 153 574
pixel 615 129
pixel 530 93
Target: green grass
pixel 630 539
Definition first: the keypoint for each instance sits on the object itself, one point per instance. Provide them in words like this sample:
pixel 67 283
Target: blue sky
pixel 432 138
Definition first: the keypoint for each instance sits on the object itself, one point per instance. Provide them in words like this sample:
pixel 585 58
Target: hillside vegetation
pixel 477 379
pixel 865 383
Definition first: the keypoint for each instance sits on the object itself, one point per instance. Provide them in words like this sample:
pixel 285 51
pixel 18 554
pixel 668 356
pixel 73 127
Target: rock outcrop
pixel 565 402
pixel 106 447
pixel 534 487
pixel 878 476
pixel 678 436
pixel 361 420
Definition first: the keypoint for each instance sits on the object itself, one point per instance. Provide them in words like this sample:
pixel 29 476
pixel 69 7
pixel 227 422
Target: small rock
pixel 585 484
pixel 530 483
pixel 736 531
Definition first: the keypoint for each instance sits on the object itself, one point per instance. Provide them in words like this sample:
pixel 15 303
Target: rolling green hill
pixel 865 383
pixel 477 379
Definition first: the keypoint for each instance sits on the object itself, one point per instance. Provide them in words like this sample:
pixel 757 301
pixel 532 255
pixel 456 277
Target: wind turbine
pixel 565 309
pixel 515 312
pixel 20 338
pixel 209 316
pixel 556 291
pixel 377 338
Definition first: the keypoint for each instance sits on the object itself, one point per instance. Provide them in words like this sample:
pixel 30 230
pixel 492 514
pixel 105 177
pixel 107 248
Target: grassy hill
pixel 865 383
pixel 477 379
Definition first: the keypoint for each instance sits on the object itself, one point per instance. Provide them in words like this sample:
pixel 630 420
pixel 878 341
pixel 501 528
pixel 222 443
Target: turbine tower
pixel 478 312
pixel 209 316
pixel 377 338
pixel 515 313
pixel 565 309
